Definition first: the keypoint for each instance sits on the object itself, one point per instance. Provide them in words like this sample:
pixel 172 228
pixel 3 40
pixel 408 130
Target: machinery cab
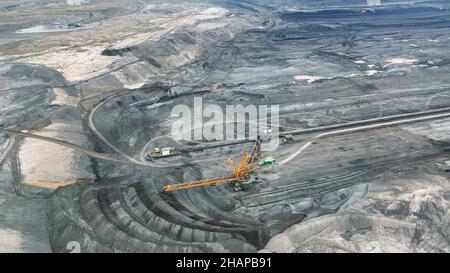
pixel 155 153
pixel 266 161
pixel 246 184
pixel 163 152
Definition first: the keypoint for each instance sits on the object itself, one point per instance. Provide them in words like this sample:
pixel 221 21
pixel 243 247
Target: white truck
pixel 163 152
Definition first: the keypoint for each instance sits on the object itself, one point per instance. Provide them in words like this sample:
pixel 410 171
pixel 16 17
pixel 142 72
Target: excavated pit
pixel 321 67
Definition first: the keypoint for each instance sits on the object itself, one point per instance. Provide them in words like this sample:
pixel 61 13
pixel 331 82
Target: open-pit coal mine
pixel 218 126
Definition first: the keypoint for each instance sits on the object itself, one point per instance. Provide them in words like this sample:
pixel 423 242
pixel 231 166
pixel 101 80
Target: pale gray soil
pixel 105 77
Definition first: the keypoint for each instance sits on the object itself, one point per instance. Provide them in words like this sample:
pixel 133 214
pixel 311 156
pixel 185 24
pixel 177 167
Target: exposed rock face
pixel 50 165
pixel 28 167
pixel 22 220
pixel 106 75
pixel 397 215
pixel 141 219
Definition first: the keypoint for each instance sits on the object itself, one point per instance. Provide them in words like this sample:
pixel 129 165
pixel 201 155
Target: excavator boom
pixel 240 172
pixel 200 183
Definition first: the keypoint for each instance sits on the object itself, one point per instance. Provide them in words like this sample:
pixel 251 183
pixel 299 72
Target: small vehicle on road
pixel 266 161
pixel 163 152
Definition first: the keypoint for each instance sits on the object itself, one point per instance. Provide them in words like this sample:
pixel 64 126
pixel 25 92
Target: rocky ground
pixel 105 76
pixel 405 210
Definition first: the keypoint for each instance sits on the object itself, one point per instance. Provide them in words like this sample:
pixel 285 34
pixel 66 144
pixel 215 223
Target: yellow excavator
pixel 241 172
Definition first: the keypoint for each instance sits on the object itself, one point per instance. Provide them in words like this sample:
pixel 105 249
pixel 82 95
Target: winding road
pixel 79 148
pixel 328 131
pixel 358 125
pixel 360 129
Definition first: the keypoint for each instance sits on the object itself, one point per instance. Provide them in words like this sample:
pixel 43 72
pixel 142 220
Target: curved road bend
pixel 423 116
pixel 141 160
pixel 359 129
pixel 362 125
pixel 304 131
pixel 116 149
pixel 79 148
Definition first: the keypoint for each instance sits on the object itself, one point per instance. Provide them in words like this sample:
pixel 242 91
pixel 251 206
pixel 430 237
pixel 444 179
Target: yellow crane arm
pixel 200 183
pixel 240 172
